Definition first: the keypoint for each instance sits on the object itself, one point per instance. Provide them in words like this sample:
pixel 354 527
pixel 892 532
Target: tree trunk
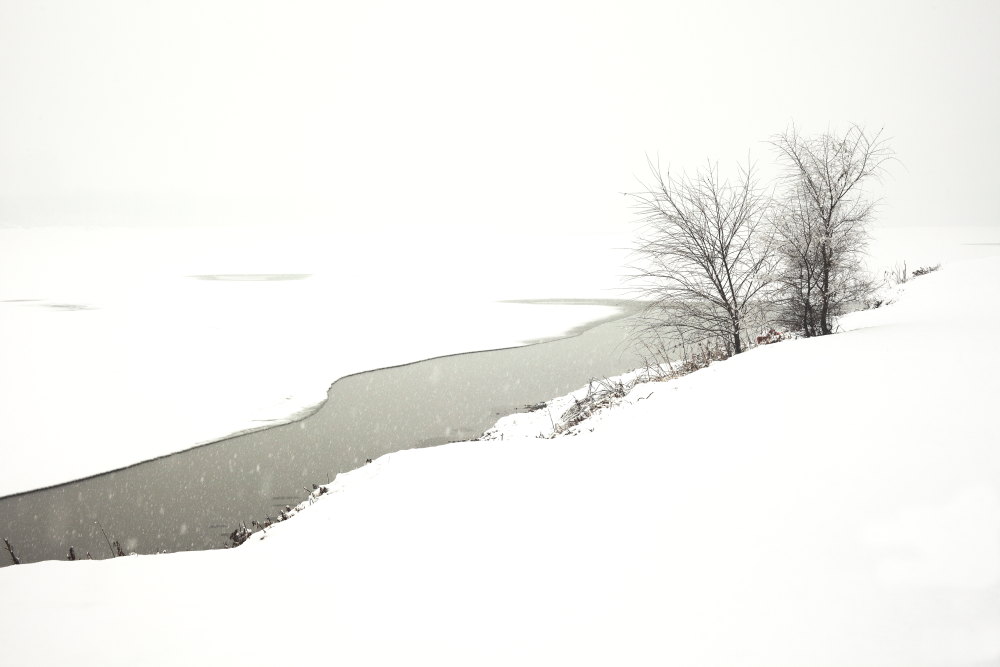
pixel 824 313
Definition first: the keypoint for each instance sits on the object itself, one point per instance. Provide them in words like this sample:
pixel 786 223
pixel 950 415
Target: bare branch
pixel 822 221
pixel 705 253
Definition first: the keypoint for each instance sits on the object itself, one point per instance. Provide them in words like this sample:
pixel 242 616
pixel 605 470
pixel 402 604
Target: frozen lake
pixel 193 499
pixel 122 345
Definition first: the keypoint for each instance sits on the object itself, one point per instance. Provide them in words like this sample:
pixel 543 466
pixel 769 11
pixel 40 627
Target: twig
pixel 106 538
pixel 10 550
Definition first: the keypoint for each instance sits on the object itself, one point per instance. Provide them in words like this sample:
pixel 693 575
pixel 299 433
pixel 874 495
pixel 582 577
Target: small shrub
pixel 770 337
pixel 240 535
pixel 600 394
pixel 702 357
pixel 924 270
pixel 897 275
pixel 242 532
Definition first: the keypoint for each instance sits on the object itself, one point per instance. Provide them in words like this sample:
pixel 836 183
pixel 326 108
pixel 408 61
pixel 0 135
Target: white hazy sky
pixel 500 116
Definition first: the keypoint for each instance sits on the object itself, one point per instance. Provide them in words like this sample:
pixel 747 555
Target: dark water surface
pixel 193 500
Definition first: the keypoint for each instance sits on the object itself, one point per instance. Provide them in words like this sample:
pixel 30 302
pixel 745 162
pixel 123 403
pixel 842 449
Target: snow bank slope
pixel 818 502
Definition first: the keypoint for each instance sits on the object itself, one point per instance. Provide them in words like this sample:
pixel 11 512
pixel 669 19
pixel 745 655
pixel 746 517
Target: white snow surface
pixel 831 501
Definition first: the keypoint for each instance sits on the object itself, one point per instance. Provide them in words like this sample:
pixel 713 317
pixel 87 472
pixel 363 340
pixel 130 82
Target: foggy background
pixel 493 118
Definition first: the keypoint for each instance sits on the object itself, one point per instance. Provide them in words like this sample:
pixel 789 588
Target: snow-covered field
pixel 118 345
pixel 829 501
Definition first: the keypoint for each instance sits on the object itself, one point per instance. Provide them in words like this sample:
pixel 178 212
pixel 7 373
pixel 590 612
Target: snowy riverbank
pixel 829 501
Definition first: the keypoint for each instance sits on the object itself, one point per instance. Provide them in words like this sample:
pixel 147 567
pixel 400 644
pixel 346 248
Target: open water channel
pixel 193 500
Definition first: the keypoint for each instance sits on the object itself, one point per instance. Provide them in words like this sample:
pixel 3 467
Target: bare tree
pixel 704 256
pixel 797 240
pixel 822 223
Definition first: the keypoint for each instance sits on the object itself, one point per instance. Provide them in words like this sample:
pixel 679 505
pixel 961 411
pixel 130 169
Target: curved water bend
pixel 193 499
